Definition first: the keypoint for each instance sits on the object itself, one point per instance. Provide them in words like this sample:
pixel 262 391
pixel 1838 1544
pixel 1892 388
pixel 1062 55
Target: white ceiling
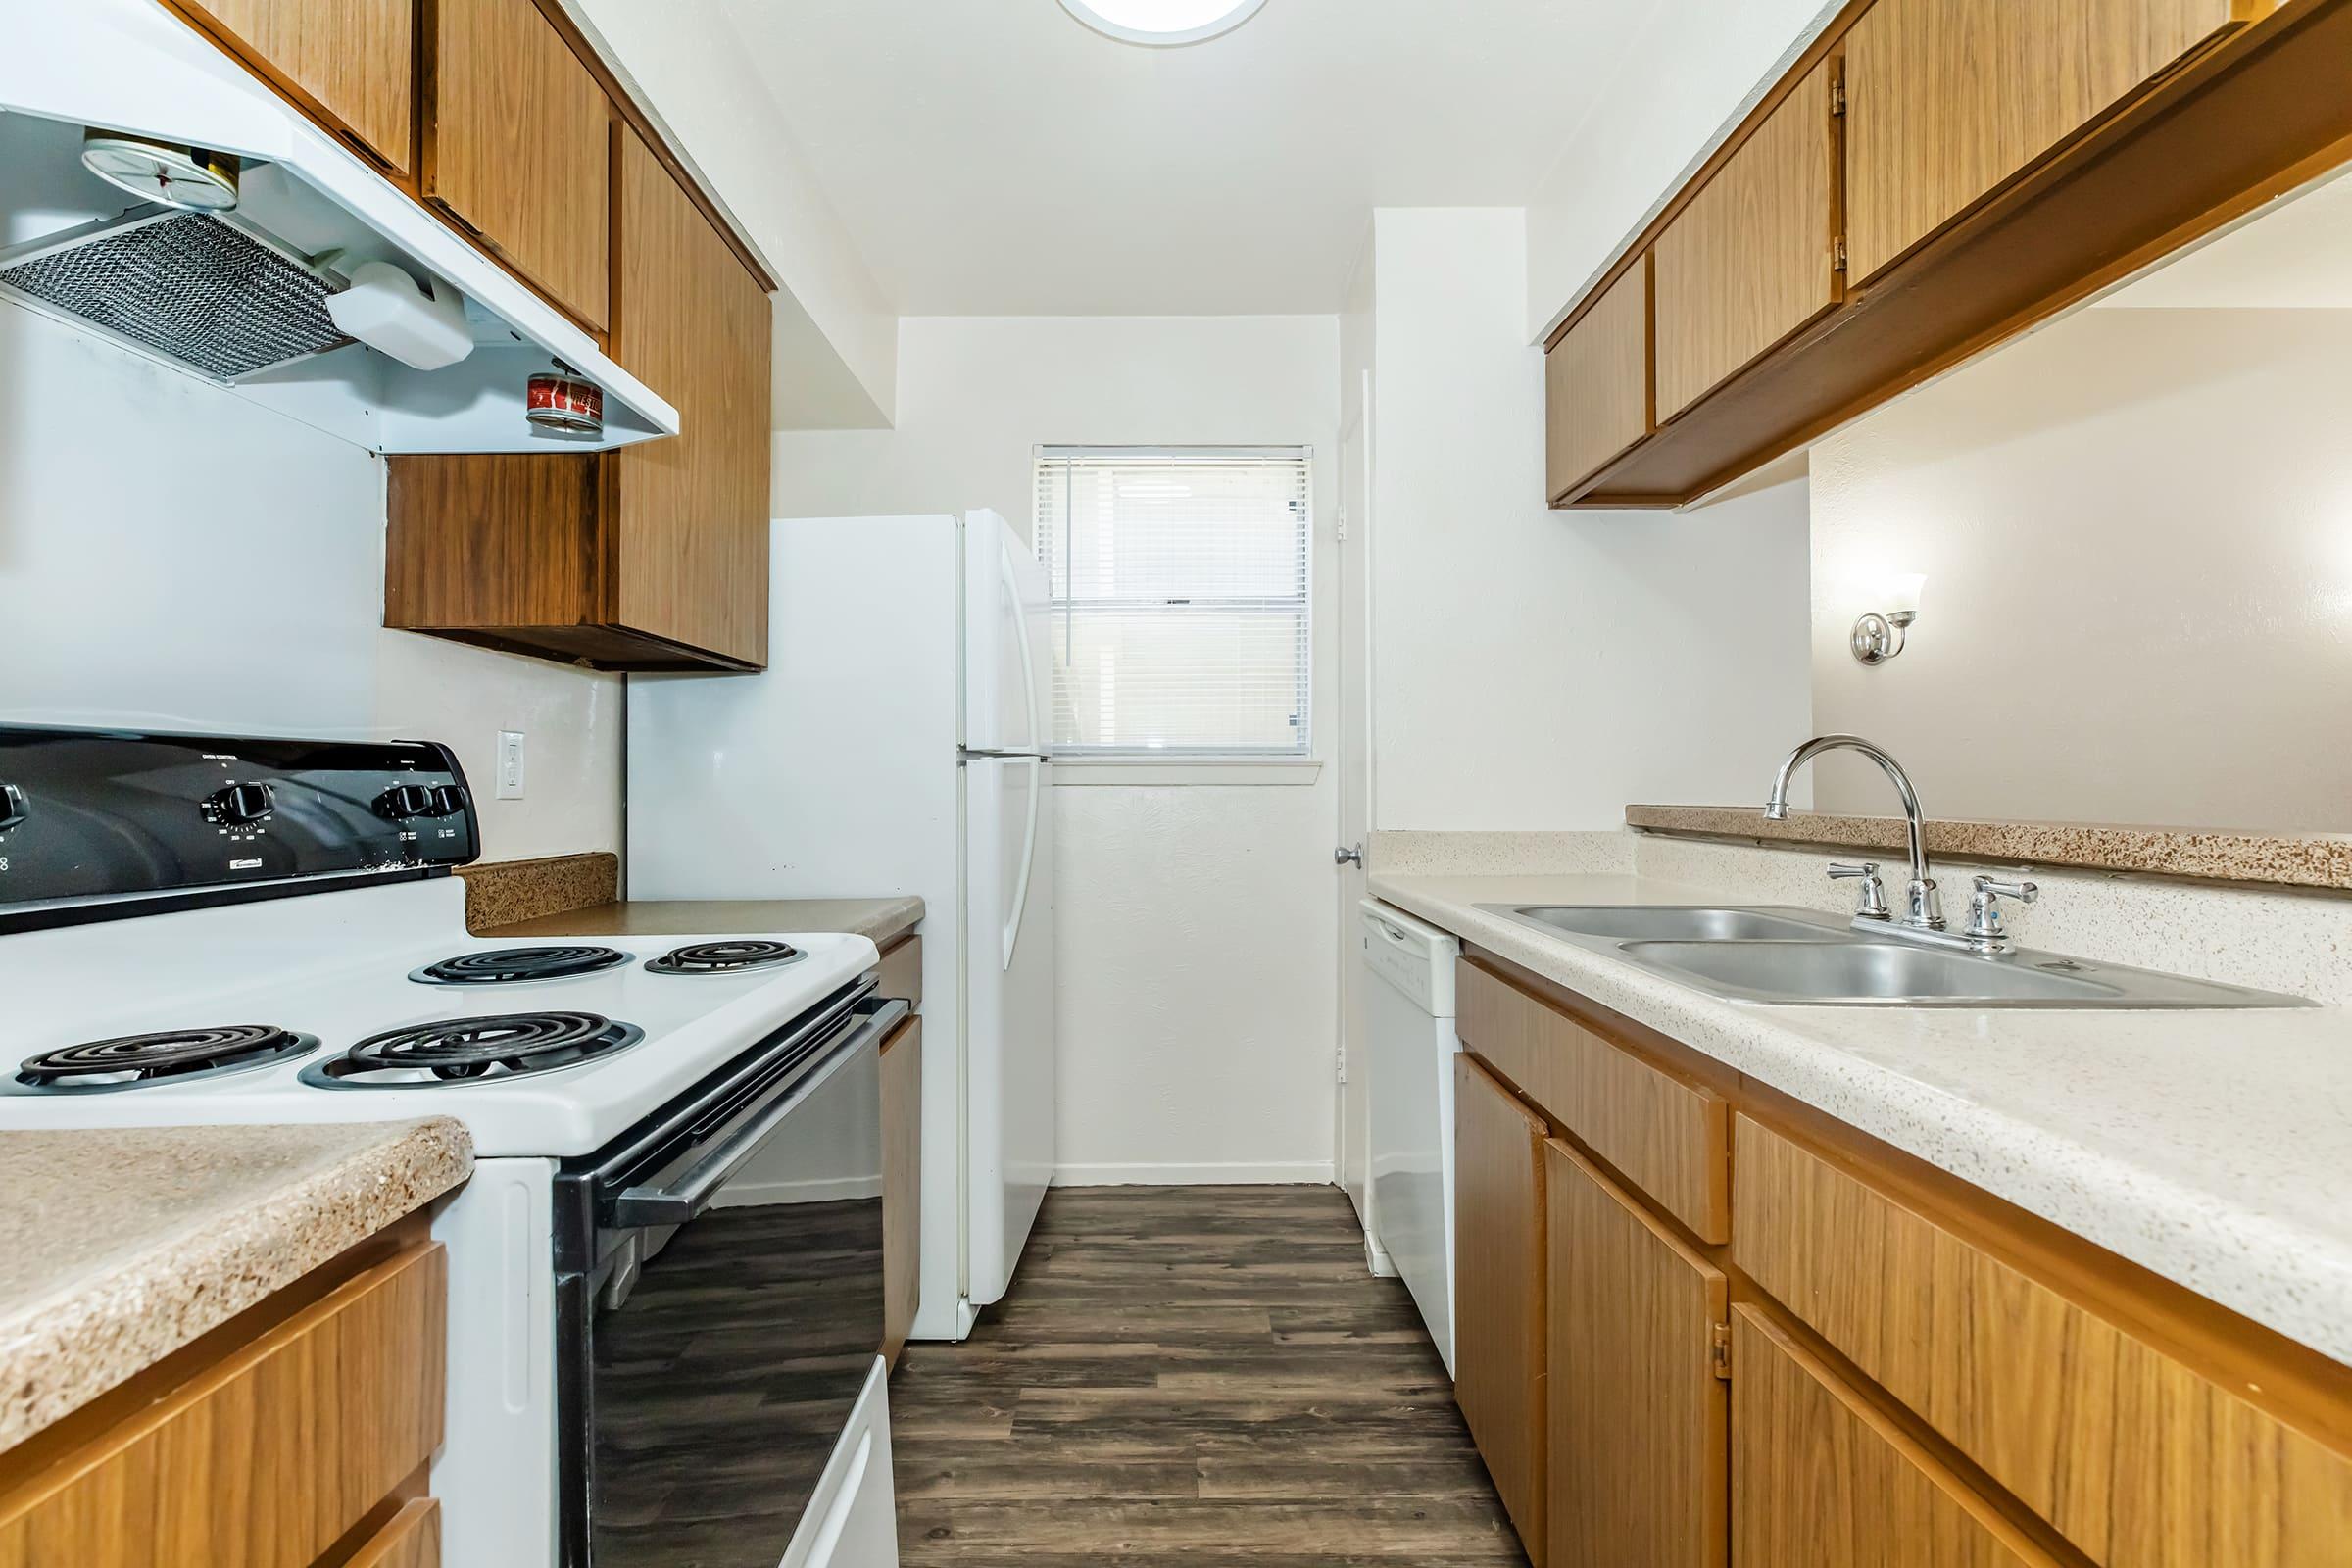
pixel 994 157
pixel 2294 255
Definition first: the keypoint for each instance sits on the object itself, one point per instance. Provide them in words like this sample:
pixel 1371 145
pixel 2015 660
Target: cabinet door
pixel 353 61
pixel 1498 1289
pixel 692 512
pixel 1637 1414
pixel 1946 99
pixel 1751 259
pixel 902 1183
pixel 1821 1479
pixel 1597 383
pixel 409 1539
pixel 518 147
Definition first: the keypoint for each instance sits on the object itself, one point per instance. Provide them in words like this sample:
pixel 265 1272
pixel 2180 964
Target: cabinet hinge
pixel 1838 94
pixel 1838 254
pixel 1719 1358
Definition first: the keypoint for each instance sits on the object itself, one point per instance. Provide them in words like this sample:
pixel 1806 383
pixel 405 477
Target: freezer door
pixel 1008 1012
pixel 1008 636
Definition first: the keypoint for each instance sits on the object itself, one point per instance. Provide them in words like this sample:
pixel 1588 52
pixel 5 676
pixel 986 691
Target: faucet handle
pixel 1983 906
pixel 1873 891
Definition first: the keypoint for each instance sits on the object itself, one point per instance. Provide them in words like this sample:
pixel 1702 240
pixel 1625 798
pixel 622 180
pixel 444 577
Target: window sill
pixel 1288 770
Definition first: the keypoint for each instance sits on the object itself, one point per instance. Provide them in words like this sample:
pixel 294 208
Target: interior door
pixel 1008 1012
pixel 1008 660
pixel 1353 755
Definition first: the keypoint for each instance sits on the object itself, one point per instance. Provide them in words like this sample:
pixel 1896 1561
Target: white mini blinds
pixel 1179 578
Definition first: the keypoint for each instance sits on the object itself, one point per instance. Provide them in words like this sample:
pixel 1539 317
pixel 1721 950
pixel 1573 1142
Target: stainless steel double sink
pixel 1798 957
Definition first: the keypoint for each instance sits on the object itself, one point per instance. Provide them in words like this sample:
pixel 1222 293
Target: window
pixel 1180 600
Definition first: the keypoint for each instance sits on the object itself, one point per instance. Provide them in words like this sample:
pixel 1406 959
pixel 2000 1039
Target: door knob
pixel 1346 856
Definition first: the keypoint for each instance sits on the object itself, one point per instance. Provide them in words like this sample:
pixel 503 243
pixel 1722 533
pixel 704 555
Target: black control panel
pixel 99 818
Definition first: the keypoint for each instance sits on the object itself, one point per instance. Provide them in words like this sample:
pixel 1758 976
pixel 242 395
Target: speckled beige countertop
pixel 881 921
pixel 125 1245
pixel 2212 1147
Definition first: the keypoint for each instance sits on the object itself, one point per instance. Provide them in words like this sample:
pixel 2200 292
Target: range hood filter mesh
pixel 192 288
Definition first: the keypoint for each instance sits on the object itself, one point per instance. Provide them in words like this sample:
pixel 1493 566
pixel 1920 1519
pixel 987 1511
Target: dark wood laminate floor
pixel 1195 1375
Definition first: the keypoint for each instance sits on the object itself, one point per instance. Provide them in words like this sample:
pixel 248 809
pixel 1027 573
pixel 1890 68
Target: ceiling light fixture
pixel 1162 22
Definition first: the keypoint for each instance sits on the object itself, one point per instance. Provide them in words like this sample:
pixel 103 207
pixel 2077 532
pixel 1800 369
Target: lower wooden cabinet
pixel 1498 1329
pixel 902 1183
pixel 265 1456
pixel 1636 1429
pixel 412 1538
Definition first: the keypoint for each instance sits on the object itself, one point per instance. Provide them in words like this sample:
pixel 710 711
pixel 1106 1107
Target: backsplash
pixel 173 557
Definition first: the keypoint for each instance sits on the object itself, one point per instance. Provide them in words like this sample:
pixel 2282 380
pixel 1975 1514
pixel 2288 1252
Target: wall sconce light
pixel 1878 634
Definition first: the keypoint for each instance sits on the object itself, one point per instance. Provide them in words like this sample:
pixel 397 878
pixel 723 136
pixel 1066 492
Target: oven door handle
pixel 689 1193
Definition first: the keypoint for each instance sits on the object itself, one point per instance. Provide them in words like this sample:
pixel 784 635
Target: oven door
pixel 731 1310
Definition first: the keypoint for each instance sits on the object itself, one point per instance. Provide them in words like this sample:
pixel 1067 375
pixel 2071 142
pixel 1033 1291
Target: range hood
pixel 242 298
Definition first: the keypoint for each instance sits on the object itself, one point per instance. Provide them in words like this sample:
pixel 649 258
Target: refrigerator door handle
pixel 1021 891
pixel 1020 628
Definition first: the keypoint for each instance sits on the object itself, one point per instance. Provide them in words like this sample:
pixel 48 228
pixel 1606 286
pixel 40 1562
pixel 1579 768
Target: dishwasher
pixel 1409 1011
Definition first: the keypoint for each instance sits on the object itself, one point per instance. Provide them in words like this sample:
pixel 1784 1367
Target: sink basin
pixel 1629 922
pixel 1786 957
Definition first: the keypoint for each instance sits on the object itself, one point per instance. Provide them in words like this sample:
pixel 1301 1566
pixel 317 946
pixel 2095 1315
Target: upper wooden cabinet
pixel 1499 1332
pixel 1948 98
pixel 518 147
pixel 1638 1414
pixel 652 556
pixel 352 63
pixel 1993 163
pixel 1754 258
pixel 692 513
pixel 1598 380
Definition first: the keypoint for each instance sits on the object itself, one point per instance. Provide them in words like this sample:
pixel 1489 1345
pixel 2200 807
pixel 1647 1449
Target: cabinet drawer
pixel 1596 384
pixel 1819 1478
pixel 411 1539
pixel 1499 1330
pixel 1669 1138
pixel 1946 99
pixel 1749 260
pixel 2135 1458
pixel 266 1458
pixel 903 970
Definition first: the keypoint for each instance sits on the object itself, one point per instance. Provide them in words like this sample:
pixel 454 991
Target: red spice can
pixel 565 404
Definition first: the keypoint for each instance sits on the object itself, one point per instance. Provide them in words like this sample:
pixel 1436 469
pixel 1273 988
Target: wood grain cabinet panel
pixel 902 1183
pixel 1946 99
pixel 1823 1480
pixel 266 1457
pixel 692 512
pixel 518 147
pixel 1637 1425
pixel 352 63
pixel 411 1539
pixel 1596 381
pixel 1498 1331
pixel 1751 259
pixel 2139 1460
pixel 1668 1137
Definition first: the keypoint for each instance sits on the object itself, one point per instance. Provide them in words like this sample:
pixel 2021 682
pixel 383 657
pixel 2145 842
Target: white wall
pixel 177 557
pixel 1196 940
pixel 2138 605
pixel 1537 669
pixel 1697 68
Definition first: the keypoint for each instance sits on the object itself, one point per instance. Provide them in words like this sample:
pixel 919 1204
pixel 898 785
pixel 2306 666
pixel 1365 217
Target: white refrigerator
pixel 897 743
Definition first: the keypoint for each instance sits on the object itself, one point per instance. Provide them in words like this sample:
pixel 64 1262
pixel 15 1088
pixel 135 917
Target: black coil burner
pixel 725 958
pixel 128 1061
pixel 506 966
pixel 506 1044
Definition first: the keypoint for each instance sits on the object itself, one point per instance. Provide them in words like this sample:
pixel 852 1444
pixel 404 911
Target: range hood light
pixel 187 177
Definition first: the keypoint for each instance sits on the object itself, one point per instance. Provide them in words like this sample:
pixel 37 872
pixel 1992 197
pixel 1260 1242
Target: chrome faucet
pixel 1922 906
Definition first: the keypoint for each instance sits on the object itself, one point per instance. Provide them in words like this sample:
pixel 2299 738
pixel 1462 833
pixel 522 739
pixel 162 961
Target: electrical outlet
pixel 509 764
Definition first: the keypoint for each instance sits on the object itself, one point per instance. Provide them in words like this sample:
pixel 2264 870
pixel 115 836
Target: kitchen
pixel 666 830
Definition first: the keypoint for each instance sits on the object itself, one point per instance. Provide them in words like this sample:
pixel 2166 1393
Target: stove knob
pixel 12 809
pixel 404 800
pixel 241 803
pixel 449 800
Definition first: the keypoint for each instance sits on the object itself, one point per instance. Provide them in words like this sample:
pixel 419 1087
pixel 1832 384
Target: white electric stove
pixel 642 1112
